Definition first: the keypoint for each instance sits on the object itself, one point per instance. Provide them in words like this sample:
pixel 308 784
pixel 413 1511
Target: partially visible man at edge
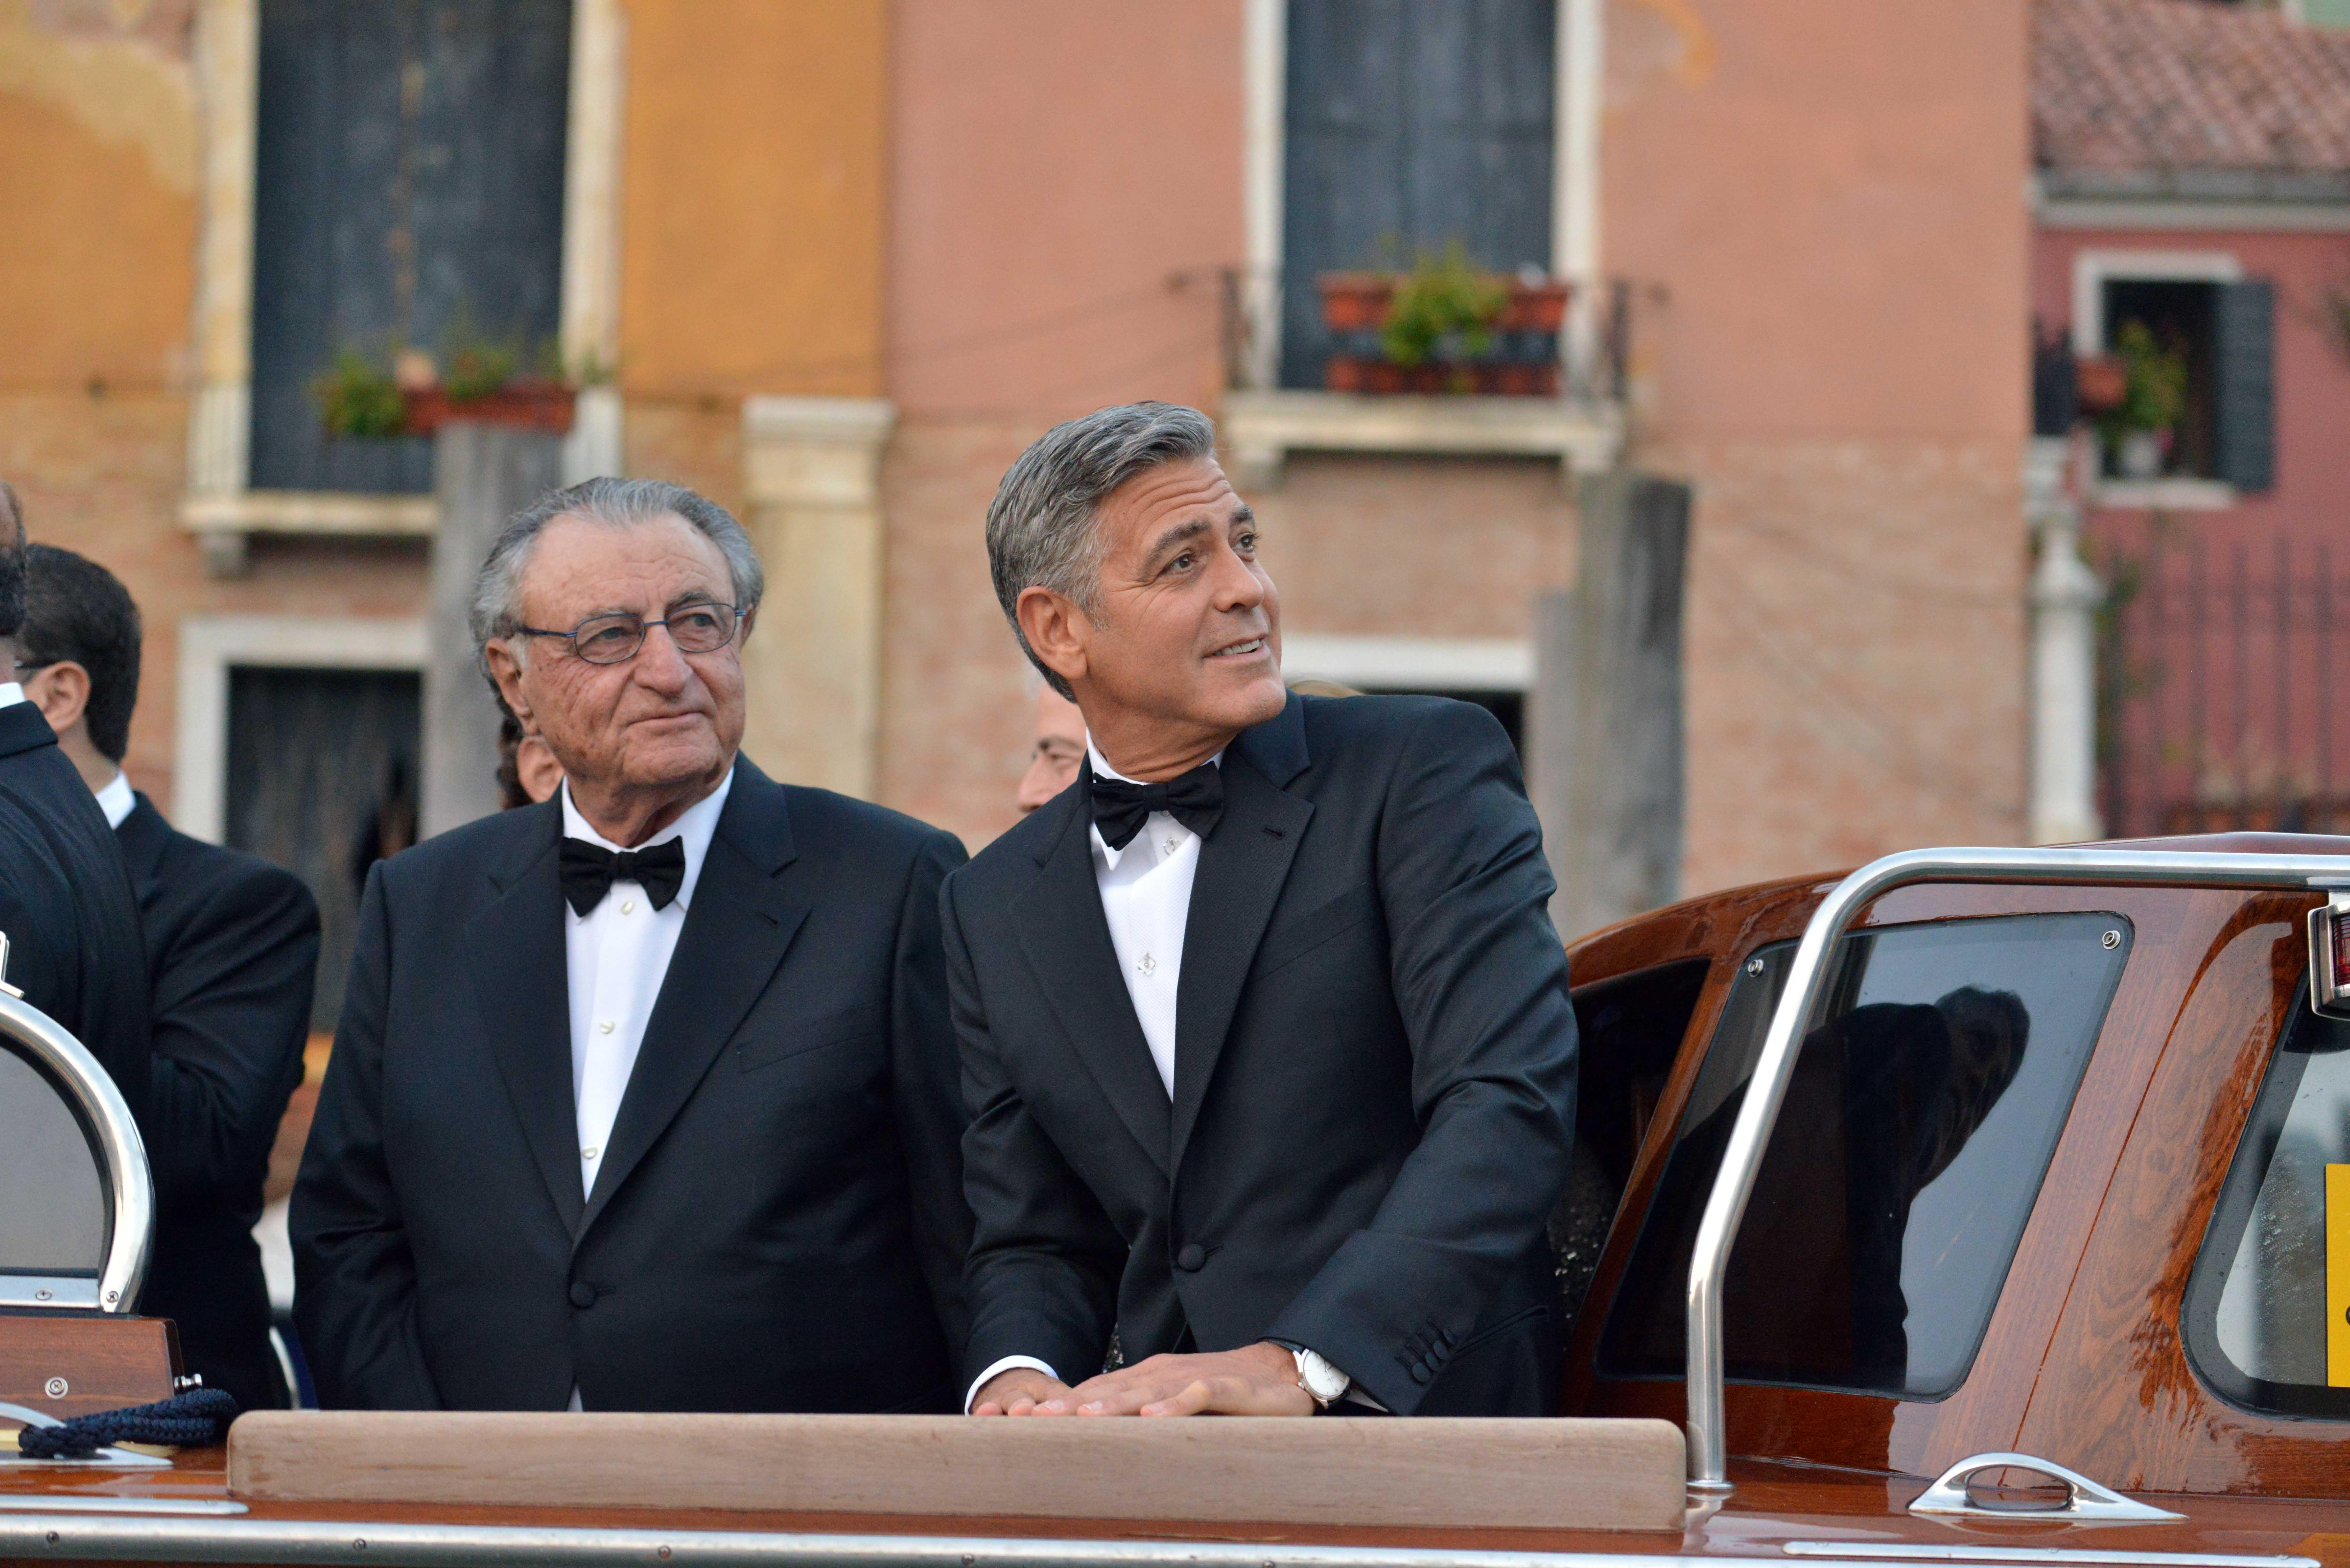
pixel 67 907
pixel 231 956
pixel 1265 1032
pixel 645 1096
pixel 1056 749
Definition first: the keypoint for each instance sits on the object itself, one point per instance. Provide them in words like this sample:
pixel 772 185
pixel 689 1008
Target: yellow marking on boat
pixel 2337 1277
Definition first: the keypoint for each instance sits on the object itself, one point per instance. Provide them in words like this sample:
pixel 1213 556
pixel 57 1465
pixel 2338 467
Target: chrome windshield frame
pixel 131 1232
pixel 1750 1135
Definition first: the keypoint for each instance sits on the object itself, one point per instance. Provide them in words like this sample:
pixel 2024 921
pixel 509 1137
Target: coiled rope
pixel 184 1420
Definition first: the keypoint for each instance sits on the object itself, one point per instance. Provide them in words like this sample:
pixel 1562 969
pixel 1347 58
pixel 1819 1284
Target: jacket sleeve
pixel 1045 1258
pixel 231 1012
pixel 1480 979
pixel 354 1277
pixel 927 1082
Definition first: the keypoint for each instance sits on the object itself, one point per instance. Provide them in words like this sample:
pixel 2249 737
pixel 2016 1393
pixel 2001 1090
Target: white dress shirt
pixel 117 800
pixel 11 693
pixel 617 955
pixel 1146 895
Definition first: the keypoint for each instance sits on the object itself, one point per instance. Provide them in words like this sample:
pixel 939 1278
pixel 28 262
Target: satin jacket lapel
pixel 1242 865
pixel 745 914
pixel 1066 939
pixel 519 977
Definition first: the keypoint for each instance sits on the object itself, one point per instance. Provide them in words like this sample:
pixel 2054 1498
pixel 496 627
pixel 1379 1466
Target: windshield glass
pixel 53 1218
pixel 1925 1102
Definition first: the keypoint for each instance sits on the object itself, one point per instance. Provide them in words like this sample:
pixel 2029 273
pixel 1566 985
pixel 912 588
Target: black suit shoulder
pixel 825 824
pixel 183 883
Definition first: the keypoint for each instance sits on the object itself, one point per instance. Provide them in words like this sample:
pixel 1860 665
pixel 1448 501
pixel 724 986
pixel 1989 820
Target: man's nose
pixel 1239 587
pixel 660 662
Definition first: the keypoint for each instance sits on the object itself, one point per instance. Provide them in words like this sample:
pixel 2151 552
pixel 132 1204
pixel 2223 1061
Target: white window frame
pixel 212 645
pixel 1410 663
pixel 217 504
pixel 2092 270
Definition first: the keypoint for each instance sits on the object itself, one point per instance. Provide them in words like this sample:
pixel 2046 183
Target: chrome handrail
pixel 67 1060
pixel 1750 1135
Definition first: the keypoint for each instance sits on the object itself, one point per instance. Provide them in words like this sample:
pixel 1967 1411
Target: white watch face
pixel 1321 1379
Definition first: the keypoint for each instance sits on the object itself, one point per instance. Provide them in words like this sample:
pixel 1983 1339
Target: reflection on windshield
pixel 1918 1123
pixel 52 1198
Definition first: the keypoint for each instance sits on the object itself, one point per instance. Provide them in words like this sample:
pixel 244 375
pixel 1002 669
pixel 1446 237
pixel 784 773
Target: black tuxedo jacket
pixel 65 904
pixel 232 957
pixel 777 1223
pixel 1375 1069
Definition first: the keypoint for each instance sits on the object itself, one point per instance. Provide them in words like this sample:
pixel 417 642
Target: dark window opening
pixel 1925 1102
pixel 322 779
pixel 408 193
pixel 2176 321
pixel 1631 1031
pixel 2265 1315
pixel 2215 344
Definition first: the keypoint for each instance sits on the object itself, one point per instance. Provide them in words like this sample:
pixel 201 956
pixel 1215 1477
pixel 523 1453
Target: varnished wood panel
pixel 105 1363
pixel 1562 1474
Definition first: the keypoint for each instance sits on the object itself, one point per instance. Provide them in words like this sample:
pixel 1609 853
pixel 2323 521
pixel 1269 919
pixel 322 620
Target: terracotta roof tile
pixel 2139 86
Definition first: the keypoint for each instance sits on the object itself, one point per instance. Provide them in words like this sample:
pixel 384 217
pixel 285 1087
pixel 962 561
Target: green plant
pixel 475 365
pixel 356 397
pixel 2155 397
pixel 1442 297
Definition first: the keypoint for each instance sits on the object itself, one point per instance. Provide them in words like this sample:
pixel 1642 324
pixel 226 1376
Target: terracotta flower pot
pixel 1534 308
pixel 1355 301
pixel 2102 383
pixel 523 404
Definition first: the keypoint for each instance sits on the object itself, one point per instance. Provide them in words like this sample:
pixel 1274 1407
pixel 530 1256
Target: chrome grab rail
pixel 131 1234
pixel 1742 1159
pixel 2085 1501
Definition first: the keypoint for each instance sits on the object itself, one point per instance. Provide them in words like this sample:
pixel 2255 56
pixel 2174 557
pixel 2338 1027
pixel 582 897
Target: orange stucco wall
pixel 752 199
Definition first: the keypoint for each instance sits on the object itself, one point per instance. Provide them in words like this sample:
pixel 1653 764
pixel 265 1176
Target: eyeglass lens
pixel 697 629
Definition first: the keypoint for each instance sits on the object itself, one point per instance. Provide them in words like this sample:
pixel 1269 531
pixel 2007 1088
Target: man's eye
pixel 605 637
pixel 1182 563
pixel 697 620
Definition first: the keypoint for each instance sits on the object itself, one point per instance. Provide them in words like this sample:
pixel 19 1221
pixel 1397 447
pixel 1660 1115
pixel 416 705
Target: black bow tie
pixel 1194 799
pixel 589 871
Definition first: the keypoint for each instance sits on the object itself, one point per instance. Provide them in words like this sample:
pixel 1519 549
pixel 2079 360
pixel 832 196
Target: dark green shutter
pixel 1410 124
pixel 2244 384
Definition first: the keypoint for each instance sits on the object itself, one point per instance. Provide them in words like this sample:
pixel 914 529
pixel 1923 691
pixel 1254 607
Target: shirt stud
pixel 627 906
pixel 1148 966
pixel 588 1153
pixel 606 1026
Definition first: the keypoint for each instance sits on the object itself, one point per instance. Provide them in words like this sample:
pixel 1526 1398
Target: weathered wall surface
pixel 1064 187
pixel 1821 202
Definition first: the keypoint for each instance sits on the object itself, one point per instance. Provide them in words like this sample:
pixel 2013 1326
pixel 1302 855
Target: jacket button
pixel 1191 1259
pixel 583 1295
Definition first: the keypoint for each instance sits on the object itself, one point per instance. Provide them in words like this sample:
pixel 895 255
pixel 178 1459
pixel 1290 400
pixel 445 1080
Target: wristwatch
pixel 1322 1382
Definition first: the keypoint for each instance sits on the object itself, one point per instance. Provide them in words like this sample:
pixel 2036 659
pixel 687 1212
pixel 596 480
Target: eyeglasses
pixel 615 638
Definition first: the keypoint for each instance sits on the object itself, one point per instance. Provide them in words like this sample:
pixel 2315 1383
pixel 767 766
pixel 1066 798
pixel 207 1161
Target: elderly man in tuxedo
pixel 644 1096
pixel 1265 1033
pixel 231 956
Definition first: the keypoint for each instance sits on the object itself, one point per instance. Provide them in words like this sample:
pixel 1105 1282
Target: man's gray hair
pixel 1040 526
pixel 496 608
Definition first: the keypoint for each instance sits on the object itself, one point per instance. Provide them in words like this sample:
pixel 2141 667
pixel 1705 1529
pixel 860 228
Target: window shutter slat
pixel 2244 403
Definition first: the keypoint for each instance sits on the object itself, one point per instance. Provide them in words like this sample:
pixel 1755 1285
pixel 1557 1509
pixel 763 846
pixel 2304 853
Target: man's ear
pixel 506 673
pixel 1056 630
pixel 61 691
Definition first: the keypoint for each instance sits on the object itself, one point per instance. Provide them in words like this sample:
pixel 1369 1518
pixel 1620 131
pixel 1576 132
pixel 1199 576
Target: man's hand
pixel 1023 1391
pixel 1259 1379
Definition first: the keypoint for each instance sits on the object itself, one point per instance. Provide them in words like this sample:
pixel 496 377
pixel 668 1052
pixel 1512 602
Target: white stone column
pixel 228 60
pixel 2064 596
pixel 812 481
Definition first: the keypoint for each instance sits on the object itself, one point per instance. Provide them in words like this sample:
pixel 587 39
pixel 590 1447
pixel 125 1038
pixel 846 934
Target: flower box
pixel 526 403
pixel 1355 307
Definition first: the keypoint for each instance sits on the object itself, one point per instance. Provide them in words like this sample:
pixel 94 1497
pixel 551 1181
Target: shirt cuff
pixel 1006 1364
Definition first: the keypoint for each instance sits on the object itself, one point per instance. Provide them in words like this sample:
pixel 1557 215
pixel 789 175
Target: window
pixel 1630 1030
pixel 2216 336
pixel 1411 124
pixel 1919 1121
pixel 322 780
pixel 409 189
pixel 54 1224
pixel 2265 1320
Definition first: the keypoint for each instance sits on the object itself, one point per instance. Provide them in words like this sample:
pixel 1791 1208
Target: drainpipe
pixel 2064 596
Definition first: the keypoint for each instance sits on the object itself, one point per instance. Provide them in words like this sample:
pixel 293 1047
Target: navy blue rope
pixel 184 1420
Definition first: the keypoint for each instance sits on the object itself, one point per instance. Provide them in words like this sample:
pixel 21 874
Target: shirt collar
pixel 1100 765
pixel 115 799
pixel 11 693
pixel 694 826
